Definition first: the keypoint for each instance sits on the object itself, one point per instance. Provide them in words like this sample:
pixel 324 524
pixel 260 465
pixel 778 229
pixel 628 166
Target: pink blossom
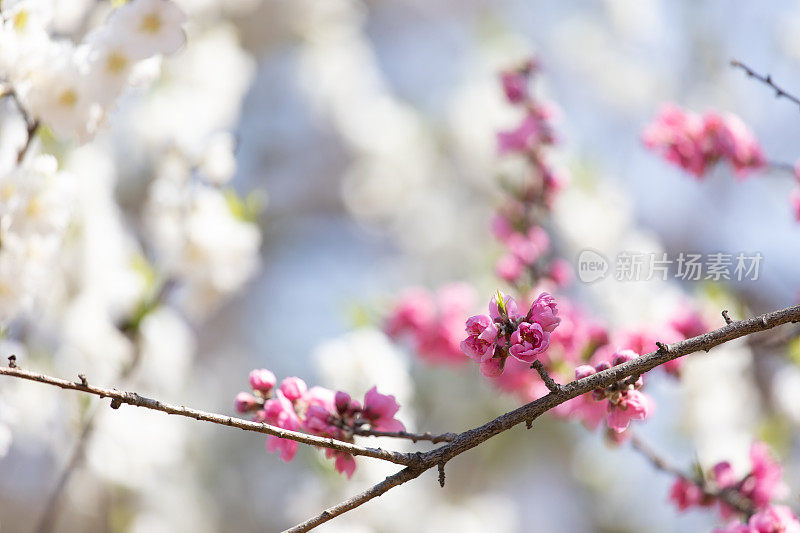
pixel 509 268
pixel 515 86
pixel 501 227
pixel 521 138
pixel 685 494
pixel 530 246
pixel 774 519
pixel 584 371
pixel 765 481
pixel 433 323
pixel 543 311
pixel 794 200
pixel 696 142
pixel 262 380
pixel 492 367
pixel 414 310
pixel 528 341
pixel 723 474
pixel 688 322
pixel 293 388
pixel 246 402
pixel 508 303
pixel 633 405
pixel 380 409
pixel 280 412
pixel 319 421
pixel 481 335
pixel 560 271
pixel 344 463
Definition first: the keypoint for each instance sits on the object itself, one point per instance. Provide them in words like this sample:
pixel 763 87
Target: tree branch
pixel 415 437
pixel 529 412
pixel 766 80
pixel 417 463
pixel 732 497
pixel 131 398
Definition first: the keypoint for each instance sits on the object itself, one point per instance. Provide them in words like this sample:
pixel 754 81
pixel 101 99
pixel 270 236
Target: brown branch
pixel 31 124
pixel 130 328
pixel 729 495
pixel 552 386
pixel 529 412
pixel 414 437
pixel 131 398
pixel 418 463
pixel 406 474
pixel 766 80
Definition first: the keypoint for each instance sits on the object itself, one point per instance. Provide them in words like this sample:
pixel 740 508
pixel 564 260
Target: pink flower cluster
pixel 773 519
pixel 518 223
pixel 685 323
pixel 618 403
pixel 697 142
pixel 505 332
pixel 760 486
pixel 433 321
pixel 316 410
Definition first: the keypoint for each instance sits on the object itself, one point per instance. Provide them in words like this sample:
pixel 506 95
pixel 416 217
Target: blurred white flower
pixel 150 27
pixel 218 164
pixel 364 358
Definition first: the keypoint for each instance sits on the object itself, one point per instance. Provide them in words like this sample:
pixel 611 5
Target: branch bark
pixel 417 463
pixel 131 398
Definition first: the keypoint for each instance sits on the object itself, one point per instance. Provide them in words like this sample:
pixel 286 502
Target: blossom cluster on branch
pixel 319 411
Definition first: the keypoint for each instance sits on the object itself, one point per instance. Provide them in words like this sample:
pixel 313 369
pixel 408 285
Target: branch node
pixel 662 347
pixel 764 321
pixel 726 317
pixel 552 386
pixel 529 424
pixel 83 379
pixel 12 361
pixel 441 474
pixel 116 403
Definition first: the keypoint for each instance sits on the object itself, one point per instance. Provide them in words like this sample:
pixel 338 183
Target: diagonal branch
pixel 732 497
pixel 529 412
pixel 766 80
pixel 131 398
pixel 417 463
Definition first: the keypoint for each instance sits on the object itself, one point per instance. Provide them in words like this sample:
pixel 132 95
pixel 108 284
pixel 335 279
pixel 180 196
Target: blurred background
pixel 367 129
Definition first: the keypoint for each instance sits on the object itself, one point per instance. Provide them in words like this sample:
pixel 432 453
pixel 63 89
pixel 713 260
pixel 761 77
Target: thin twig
pixel 732 497
pixel 417 463
pixel 130 328
pixel 529 412
pixel 31 124
pixel 767 80
pixel 131 398
pixel 552 386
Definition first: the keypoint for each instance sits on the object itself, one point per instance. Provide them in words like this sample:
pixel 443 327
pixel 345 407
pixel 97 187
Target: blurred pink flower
pixel 380 409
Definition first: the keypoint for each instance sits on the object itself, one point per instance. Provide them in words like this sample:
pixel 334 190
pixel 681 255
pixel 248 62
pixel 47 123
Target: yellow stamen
pixel 68 98
pixel 116 62
pixel 151 23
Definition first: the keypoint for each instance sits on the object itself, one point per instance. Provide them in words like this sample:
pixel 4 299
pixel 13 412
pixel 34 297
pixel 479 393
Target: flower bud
pixel 262 380
pixel 246 402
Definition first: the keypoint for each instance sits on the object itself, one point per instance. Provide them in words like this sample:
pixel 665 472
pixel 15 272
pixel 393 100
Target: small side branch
pixel 733 498
pixel 131 398
pixel 766 80
pixel 552 386
pixel 403 476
